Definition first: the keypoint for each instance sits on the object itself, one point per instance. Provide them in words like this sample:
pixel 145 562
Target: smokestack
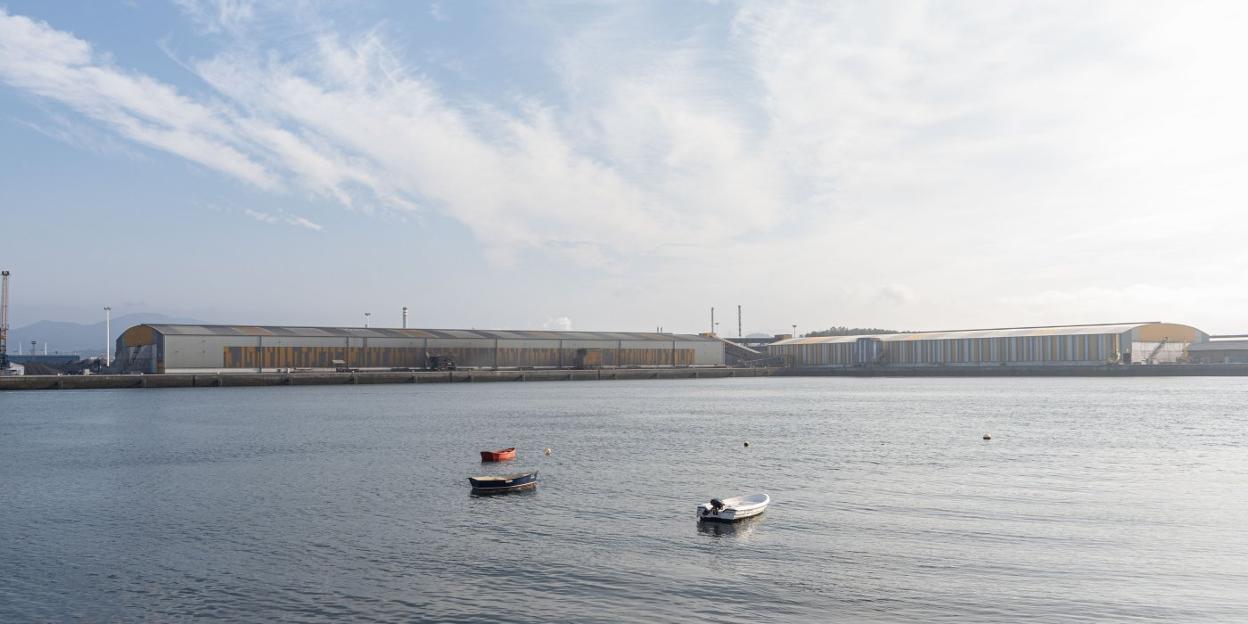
pixel 404 317
pixel 108 335
pixel 738 320
pixel 4 321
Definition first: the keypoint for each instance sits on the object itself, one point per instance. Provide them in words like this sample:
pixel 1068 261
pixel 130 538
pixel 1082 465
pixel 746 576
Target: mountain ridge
pixel 86 339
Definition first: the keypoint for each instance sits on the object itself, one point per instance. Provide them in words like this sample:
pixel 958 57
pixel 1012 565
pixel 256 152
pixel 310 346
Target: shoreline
pixel 236 380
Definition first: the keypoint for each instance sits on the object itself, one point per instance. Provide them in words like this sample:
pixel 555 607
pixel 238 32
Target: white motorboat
pixel 733 509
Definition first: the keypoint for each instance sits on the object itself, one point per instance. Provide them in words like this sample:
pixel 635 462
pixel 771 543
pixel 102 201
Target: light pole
pixel 108 336
pixel 366 315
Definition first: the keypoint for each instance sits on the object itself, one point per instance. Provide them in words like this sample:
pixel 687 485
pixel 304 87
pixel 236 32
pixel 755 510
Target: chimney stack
pixel 4 321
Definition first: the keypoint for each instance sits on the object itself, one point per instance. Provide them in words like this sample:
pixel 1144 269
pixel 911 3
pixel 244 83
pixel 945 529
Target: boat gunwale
pixel 505 454
pixel 736 511
pixel 504 477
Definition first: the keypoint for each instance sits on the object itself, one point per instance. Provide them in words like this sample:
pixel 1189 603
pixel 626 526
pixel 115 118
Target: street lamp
pixel 108 336
pixel 366 315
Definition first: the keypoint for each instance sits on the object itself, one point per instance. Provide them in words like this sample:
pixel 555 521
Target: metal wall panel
pixel 704 353
pixel 138 335
pixel 262 348
pixel 1029 350
pixel 202 351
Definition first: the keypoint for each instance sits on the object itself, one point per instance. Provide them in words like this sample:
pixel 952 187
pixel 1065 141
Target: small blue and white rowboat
pixel 733 509
pixel 503 483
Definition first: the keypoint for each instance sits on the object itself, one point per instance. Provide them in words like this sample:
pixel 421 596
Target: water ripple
pixel 1097 500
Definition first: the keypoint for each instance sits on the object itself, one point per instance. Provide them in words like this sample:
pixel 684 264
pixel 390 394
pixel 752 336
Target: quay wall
pixel 228 380
pixel 217 380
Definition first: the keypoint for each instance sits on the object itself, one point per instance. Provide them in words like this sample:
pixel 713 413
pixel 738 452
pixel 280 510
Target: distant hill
pixel 85 340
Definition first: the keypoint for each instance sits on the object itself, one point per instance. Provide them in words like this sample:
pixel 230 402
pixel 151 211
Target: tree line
pixel 851 331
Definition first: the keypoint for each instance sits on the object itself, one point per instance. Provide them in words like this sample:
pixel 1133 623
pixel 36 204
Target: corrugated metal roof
pixel 1220 345
pixel 384 332
pixel 1055 330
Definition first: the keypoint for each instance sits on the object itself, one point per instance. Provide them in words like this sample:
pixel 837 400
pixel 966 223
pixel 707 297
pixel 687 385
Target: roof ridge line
pixel 945 331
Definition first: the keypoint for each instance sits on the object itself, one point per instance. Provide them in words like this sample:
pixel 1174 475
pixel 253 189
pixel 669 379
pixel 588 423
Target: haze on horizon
pixel 914 165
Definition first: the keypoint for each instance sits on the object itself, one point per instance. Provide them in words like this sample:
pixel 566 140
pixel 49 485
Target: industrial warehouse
pixel 158 348
pixel 1068 345
pixel 182 355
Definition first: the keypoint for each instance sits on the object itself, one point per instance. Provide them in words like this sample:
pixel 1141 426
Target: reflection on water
pixel 740 528
pixel 476 492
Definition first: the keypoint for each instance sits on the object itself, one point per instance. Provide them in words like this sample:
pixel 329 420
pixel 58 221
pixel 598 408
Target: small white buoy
pixel 547 451
pixel 747 445
pixel 987 436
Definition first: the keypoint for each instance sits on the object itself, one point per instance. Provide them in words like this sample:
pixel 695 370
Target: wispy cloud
pixel 217 16
pixel 268 217
pixel 61 67
pixel 437 12
pixel 80 135
pixel 303 223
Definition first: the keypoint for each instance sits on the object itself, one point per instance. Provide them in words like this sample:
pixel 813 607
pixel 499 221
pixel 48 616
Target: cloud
pixel 216 16
pixel 350 123
pixel 437 12
pixel 260 216
pixel 266 217
pixel 976 153
pixel 559 323
pixel 80 136
pixel 303 223
pixel 56 65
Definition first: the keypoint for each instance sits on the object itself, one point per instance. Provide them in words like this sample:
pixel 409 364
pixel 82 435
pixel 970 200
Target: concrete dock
pixel 228 380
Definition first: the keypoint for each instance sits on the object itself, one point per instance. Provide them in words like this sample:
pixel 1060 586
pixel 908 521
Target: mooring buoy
pixel 987 436
pixel 747 445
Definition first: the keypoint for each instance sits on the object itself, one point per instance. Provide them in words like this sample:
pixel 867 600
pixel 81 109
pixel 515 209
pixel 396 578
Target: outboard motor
pixel 717 505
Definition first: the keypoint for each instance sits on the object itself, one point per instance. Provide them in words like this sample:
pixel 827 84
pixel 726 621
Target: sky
pixel 627 165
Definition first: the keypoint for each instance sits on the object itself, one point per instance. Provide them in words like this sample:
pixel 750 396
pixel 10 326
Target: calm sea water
pixel 1096 500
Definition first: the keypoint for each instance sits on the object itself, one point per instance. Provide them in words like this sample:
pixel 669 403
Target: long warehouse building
pixel 162 348
pixel 1065 345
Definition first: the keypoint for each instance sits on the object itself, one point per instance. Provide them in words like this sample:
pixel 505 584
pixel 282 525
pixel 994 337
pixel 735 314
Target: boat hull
pixel 499 455
pixel 728 516
pixel 734 510
pixel 503 483
pixel 505 490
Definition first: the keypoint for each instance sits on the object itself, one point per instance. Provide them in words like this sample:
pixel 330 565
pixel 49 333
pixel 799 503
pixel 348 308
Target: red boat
pixel 499 455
